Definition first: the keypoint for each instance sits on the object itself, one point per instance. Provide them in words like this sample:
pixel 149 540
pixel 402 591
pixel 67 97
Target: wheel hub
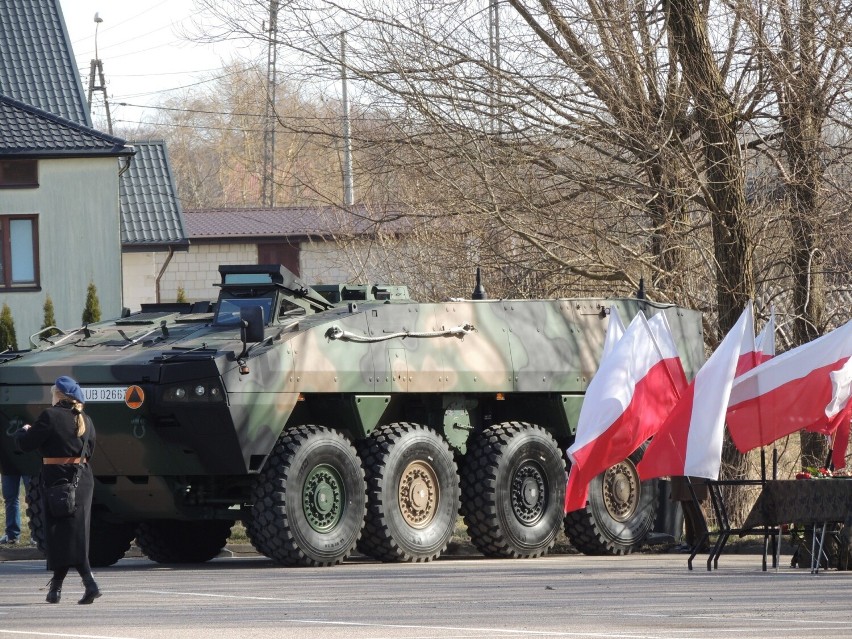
pixel 323 498
pixel 529 494
pixel 621 490
pixel 418 494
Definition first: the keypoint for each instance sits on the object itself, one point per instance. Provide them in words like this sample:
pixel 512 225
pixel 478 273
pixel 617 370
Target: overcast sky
pixel 144 55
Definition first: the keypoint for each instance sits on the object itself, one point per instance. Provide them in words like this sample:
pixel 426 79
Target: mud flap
pixel 668 527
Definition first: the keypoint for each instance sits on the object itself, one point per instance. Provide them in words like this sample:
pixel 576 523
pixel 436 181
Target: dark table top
pixel 802 501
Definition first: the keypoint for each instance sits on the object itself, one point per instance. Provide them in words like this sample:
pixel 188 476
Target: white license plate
pixel 105 393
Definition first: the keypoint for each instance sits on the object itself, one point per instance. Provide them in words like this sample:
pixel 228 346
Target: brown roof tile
pixel 291 221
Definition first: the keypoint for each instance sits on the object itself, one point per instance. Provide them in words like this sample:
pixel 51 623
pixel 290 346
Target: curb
pixel 20 552
pixel 26 552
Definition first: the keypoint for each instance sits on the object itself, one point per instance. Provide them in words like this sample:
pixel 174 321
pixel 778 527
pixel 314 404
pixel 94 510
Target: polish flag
pixel 662 334
pixel 839 412
pixel 690 440
pixel 765 342
pixel 633 390
pixel 614 331
pixel 789 392
pixel 764 348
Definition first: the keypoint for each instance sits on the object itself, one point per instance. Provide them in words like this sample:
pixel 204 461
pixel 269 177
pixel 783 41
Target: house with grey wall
pixel 122 214
pixel 59 177
pixel 59 222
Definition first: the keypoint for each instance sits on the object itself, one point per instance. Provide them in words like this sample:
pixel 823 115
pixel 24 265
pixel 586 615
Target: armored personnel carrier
pixel 336 418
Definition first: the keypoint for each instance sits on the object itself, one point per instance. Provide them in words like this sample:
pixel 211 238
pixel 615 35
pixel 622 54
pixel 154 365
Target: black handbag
pixel 62 497
pixel 62 494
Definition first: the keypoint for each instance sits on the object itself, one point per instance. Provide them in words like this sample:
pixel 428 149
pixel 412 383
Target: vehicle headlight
pixel 194 393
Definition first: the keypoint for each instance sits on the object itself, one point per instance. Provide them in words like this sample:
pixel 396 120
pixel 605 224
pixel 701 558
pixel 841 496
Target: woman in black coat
pixel 59 434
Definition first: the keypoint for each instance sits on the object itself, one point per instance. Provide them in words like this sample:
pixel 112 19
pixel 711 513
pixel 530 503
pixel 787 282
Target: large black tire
pixel 620 513
pixel 309 501
pixel 412 493
pixel 35 512
pixel 108 541
pixel 170 541
pixel 513 490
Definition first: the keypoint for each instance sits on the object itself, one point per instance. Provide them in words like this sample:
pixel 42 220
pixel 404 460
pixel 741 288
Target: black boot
pixel 92 591
pixel 55 592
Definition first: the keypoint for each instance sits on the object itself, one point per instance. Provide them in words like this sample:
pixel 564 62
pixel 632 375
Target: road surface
pixel 643 596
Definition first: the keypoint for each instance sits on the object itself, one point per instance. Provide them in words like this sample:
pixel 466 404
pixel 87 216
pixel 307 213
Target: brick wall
pixel 196 270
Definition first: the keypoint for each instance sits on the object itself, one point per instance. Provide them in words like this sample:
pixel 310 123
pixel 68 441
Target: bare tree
pixel 216 142
pixel 804 48
pixel 719 123
pixel 571 141
pixel 609 139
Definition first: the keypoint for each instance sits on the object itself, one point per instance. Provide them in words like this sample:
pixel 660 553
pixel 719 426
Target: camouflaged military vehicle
pixel 331 418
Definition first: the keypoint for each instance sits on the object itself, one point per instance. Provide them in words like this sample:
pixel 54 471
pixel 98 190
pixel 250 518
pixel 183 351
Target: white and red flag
pixel 614 332
pixel 789 392
pixel 765 342
pixel 764 348
pixel 633 390
pixel 839 412
pixel 690 440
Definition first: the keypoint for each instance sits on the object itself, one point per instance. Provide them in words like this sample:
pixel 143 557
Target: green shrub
pixel 92 312
pixel 49 317
pixel 7 330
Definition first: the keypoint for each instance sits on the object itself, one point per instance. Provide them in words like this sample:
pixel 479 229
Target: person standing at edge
pixel 59 434
pixel 11 497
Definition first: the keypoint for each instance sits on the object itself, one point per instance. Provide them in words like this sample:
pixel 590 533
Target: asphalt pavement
pixel 243 596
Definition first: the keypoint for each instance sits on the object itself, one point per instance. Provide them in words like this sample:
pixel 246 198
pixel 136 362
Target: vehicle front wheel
pixel 170 541
pixel 308 503
pixel 109 541
pixel 35 512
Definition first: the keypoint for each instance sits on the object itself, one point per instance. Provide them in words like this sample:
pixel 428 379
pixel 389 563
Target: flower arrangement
pixel 812 472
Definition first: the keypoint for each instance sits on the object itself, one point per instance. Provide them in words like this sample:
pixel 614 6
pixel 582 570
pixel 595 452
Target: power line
pixel 190 126
pixel 183 86
pixel 147 42
pixel 235 129
pixel 125 40
pixel 151 75
pixel 330 118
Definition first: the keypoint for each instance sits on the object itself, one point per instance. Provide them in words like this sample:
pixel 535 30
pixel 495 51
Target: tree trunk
pixel 802 115
pixel 725 183
pixel 669 213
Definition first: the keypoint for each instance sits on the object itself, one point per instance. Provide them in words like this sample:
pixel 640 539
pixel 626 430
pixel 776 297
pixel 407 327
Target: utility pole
pixel 495 64
pixel 97 66
pixel 348 186
pixel 268 179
